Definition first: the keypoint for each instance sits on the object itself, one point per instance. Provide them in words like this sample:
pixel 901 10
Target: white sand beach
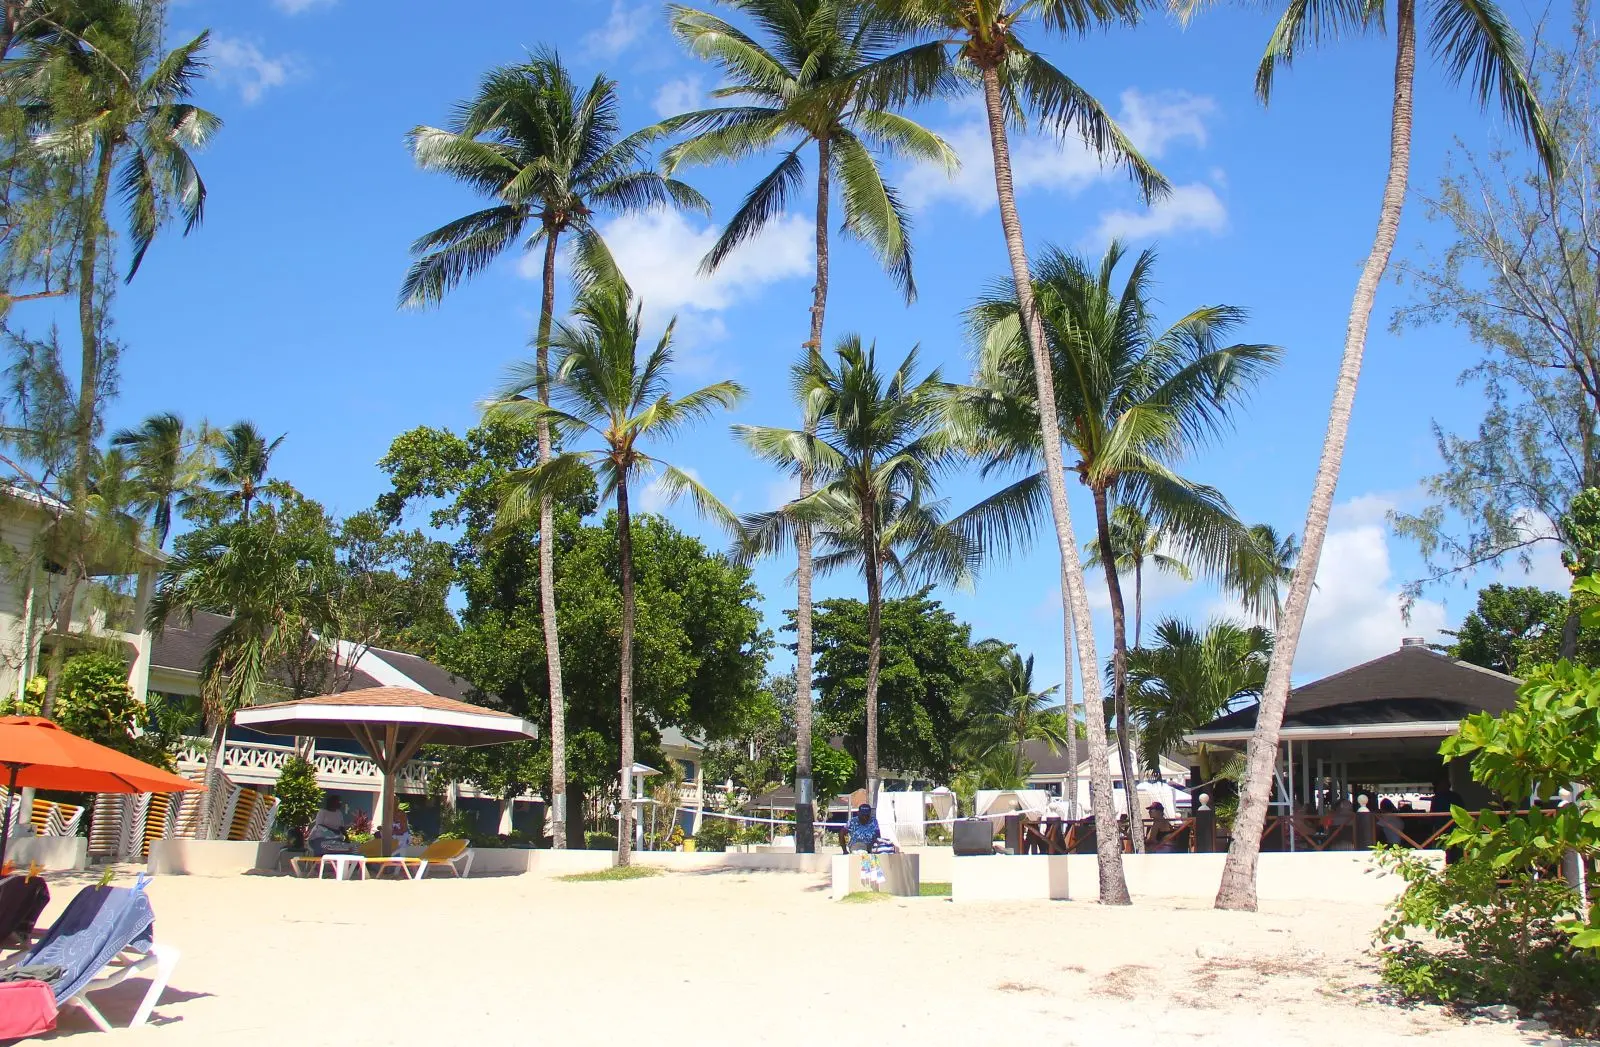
pixel 723 958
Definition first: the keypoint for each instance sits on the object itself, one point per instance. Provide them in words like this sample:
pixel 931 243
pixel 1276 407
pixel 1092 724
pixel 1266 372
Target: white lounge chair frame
pixel 129 963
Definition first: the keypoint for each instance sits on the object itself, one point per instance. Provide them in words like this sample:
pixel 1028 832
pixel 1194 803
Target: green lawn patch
pixel 935 890
pixel 623 872
pixel 860 897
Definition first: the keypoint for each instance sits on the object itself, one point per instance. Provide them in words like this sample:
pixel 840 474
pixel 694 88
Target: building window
pixel 687 766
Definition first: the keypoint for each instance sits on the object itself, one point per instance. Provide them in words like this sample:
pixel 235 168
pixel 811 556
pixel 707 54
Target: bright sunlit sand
pixel 745 958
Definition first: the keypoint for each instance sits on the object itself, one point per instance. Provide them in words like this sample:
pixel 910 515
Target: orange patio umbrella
pixel 40 755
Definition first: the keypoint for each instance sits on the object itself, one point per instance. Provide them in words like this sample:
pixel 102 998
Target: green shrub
pixel 299 796
pixel 938 835
pixel 600 841
pixel 1489 940
pixel 715 834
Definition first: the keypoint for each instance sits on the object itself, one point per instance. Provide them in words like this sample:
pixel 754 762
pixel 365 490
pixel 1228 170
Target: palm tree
pixel 169 461
pixel 1188 678
pixel 1005 710
pixel 1475 42
pixel 1258 576
pixel 798 90
pixel 875 449
pixel 1132 400
pixel 103 95
pixel 244 455
pixel 955 43
pixel 1136 542
pixel 552 158
pixel 605 391
pixel 276 586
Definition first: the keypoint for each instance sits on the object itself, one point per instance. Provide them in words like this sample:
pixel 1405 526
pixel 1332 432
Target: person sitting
pixel 1341 827
pixel 1389 825
pixel 861 832
pixel 1158 830
pixel 326 835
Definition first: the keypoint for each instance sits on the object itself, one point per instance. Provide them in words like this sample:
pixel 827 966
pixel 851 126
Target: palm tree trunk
pixel 83 420
pixel 1113 886
pixel 1238 887
pixel 206 825
pixel 874 658
pixel 625 555
pixel 804 819
pixel 1138 603
pixel 547 568
pixel 1119 671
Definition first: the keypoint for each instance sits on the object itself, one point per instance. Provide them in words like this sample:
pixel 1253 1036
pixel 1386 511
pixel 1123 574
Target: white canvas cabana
pixel 1031 803
pixel 391 724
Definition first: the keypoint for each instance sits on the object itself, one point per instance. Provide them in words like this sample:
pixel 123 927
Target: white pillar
pixel 504 827
pixel 139 672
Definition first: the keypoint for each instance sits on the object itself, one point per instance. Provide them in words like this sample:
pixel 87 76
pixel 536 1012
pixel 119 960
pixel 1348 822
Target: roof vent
pixel 1413 641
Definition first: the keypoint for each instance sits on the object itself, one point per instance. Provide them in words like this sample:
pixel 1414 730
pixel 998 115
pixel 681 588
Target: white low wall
pixel 1308 876
pixel 1010 877
pixel 52 853
pixel 212 857
pixel 501 861
pixel 900 875
pixel 938 863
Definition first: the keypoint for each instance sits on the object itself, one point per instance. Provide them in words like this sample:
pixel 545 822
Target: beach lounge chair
pixel 105 936
pixel 22 899
pixel 453 855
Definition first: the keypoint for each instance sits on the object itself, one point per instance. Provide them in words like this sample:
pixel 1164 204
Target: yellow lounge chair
pixel 453 855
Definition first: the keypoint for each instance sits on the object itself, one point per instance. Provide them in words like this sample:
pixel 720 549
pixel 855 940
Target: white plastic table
pixel 343 865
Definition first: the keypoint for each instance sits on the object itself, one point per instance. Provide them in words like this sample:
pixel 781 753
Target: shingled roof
pixel 1411 685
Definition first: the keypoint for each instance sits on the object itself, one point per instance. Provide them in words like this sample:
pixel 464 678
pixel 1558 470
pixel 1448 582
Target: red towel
pixel 26 1009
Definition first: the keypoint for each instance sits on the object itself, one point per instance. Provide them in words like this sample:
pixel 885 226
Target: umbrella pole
pixel 5 826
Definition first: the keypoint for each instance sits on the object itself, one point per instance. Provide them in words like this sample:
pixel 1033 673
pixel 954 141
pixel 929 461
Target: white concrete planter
pixel 212 857
pixel 901 875
pixel 1009 878
pixel 53 853
pixel 1350 876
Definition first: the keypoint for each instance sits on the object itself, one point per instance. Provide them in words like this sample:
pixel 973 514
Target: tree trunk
pixel 575 835
pixel 1138 603
pixel 625 555
pixel 1113 886
pixel 805 841
pixel 83 422
pixel 207 826
pixel 874 655
pixel 1119 672
pixel 547 567
pixel 1238 887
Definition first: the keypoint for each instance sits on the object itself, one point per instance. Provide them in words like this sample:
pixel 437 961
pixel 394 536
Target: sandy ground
pixel 721 958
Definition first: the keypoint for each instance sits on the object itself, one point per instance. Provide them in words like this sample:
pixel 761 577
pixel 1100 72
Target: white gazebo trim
pixel 1414 729
pixel 412 715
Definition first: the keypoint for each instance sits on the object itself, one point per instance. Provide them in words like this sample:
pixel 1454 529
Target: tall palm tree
pixel 1476 43
pixel 953 44
pixel 1005 710
pixel 104 95
pixel 797 90
pixel 1136 542
pixel 875 451
pixel 1259 575
pixel 243 458
pixel 169 461
pixel 1188 678
pixel 552 157
pixel 607 391
pixel 1133 400
pixel 277 586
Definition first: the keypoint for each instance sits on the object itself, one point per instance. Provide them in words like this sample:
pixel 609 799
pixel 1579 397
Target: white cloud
pixel 783 491
pixel 682 95
pixel 1195 206
pixel 659 252
pixel 621 30
pixel 1154 122
pixel 294 7
pixel 242 65
pixel 1355 610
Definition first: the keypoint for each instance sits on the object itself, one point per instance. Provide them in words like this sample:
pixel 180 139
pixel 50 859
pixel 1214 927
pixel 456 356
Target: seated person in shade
pixel 326 835
pixel 861 832
pixel 1156 834
pixel 1389 821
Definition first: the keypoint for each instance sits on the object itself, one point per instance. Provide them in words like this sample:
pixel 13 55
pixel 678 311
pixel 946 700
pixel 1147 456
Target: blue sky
pixel 281 308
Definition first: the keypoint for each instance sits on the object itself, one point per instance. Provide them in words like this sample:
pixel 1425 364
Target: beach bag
pixel 26 1009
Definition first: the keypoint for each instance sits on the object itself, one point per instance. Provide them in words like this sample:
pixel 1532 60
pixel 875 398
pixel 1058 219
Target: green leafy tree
pixel 1475 43
pixel 875 450
pixel 1133 400
pixel 1188 678
pixel 1505 624
pixel 552 157
pixel 1003 711
pixel 926 660
pixel 299 796
pixel 611 395
pixel 800 88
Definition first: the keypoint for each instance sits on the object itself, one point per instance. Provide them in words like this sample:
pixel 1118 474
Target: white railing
pixel 260 763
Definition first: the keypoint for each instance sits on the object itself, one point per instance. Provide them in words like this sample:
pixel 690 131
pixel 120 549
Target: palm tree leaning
pixel 1132 400
pixel 1188 678
pixel 1476 43
pixel 955 43
pixel 106 97
pixel 800 89
pixel 605 390
pixel 244 455
pixel 552 158
pixel 1136 542
pixel 276 589
pixel 169 461
pixel 877 446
